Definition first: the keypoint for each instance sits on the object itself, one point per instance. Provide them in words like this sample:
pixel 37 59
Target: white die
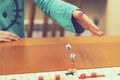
pixel 68 46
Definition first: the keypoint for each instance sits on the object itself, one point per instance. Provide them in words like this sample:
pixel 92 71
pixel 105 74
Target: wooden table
pixel 49 54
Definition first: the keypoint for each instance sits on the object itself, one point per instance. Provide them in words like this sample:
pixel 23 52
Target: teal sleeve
pixel 61 12
pixel 12 16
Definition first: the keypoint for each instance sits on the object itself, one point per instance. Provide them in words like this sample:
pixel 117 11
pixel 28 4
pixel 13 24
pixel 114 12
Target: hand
pixel 86 23
pixel 8 36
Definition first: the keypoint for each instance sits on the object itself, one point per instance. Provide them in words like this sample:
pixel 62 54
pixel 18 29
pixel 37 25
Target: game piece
pixel 41 78
pixel 70 72
pixel 83 76
pixel 57 77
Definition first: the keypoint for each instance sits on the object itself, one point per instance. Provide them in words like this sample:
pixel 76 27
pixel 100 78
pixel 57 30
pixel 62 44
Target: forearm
pixel 61 12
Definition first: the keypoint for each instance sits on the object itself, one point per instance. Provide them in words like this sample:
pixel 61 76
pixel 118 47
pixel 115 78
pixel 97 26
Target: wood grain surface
pixel 50 54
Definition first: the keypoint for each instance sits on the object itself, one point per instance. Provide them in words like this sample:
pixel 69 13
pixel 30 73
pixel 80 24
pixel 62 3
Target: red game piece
pixel 40 78
pixel 13 79
pixel 93 75
pixel 83 76
pixel 57 77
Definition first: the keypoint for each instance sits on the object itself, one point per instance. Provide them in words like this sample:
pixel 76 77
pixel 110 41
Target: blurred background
pixel 104 13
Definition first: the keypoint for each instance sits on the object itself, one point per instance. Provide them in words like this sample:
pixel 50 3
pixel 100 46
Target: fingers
pixel 4 40
pixel 8 36
pixel 95 30
pixel 90 26
pixel 87 23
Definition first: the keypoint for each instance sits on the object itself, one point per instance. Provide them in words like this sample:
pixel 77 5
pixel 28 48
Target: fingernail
pixel 100 33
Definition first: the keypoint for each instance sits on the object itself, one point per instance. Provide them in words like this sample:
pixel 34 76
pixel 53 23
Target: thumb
pixel 77 14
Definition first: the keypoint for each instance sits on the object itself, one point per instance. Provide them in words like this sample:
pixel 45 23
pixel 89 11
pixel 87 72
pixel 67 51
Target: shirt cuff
pixel 78 28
